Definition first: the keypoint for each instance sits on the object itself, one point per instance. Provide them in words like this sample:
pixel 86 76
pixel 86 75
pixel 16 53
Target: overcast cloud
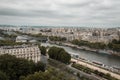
pixel 60 12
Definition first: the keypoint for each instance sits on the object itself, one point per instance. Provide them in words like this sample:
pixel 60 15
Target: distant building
pixel 33 41
pixel 25 38
pixel 1 38
pixel 30 52
pixel 22 39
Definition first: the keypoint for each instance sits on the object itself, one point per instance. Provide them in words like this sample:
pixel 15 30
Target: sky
pixel 60 12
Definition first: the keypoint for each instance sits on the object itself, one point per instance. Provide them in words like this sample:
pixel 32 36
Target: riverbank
pixel 106 61
pixel 96 68
pixel 109 52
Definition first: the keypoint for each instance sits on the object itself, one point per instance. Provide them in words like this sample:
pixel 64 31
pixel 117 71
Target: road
pixel 93 77
pixel 96 68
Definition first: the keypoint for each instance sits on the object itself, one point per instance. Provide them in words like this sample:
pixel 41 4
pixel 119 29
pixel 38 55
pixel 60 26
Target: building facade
pixel 30 52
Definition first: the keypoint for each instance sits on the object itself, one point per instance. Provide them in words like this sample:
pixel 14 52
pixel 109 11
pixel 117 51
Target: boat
pixel 98 63
pixel 82 58
pixel 103 51
pixel 117 68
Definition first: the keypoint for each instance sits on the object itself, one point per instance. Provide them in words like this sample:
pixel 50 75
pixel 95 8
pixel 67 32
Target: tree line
pixel 11 43
pixel 114 44
pixel 56 38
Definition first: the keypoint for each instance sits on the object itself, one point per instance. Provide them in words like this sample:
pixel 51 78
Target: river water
pixel 106 59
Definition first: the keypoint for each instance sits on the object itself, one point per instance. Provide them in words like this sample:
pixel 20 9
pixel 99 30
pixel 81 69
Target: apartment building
pixel 30 52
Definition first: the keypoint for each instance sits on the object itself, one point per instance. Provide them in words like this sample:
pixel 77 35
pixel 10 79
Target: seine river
pixel 106 59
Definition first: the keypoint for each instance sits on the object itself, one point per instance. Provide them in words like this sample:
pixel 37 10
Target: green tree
pixel 43 50
pixel 59 54
pixel 56 38
pixel 16 67
pixel 50 74
pixel 3 76
pixel 114 41
pixel 40 66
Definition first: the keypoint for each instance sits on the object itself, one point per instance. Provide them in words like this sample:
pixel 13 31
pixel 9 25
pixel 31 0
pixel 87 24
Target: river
pixel 106 59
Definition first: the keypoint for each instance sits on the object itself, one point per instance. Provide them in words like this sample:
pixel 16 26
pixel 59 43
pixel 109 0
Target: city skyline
pixel 96 13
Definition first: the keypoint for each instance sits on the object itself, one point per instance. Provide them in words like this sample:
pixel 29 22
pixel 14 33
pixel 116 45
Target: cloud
pixel 60 12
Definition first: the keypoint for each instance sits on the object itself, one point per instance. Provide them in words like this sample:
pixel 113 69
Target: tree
pixel 59 54
pixel 3 76
pixel 114 41
pixel 40 66
pixel 96 45
pixel 43 50
pixel 50 74
pixel 56 38
pixel 64 57
pixel 16 67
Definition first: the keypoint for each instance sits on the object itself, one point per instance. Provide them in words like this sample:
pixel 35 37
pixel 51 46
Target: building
pixel 1 38
pixel 22 38
pixel 30 52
